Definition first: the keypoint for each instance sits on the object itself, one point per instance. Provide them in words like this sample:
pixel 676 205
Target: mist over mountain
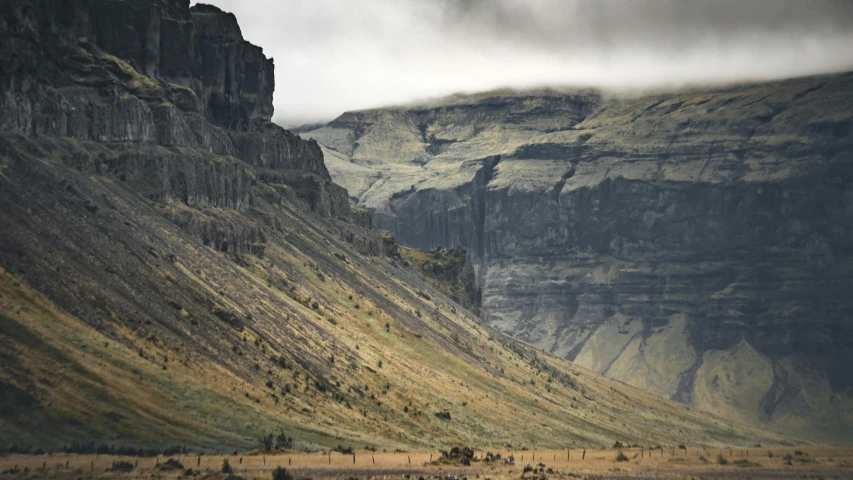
pixel 342 56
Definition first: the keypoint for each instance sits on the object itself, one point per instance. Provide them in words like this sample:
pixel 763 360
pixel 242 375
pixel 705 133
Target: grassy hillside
pixel 124 323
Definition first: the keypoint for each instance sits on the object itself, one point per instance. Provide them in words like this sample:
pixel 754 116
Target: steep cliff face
pixel 139 75
pixel 694 244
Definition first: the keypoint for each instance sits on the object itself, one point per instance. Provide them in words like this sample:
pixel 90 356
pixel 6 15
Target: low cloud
pixel 337 55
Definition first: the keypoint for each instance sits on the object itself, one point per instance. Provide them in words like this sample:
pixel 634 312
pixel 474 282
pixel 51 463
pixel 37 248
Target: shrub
pixel 444 415
pixel 681 446
pixel 617 444
pixel 269 384
pixel 620 457
pixel 315 305
pixel 281 474
pixel 265 443
pixel 379 363
pixel 284 442
pixel 721 460
pixel 226 466
pixel 171 464
pixel 282 362
pixel 121 466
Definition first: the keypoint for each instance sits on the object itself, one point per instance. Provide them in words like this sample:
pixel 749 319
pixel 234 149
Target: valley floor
pixel 824 462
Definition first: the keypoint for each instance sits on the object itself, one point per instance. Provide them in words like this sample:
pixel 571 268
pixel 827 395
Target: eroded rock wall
pixel 138 75
pixel 696 244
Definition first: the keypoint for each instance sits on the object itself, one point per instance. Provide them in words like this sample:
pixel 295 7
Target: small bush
pixel 444 415
pixel 681 446
pixel 284 442
pixel 315 305
pixel 721 460
pixel 620 457
pixel 171 464
pixel 281 474
pixel 226 466
pixel 121 466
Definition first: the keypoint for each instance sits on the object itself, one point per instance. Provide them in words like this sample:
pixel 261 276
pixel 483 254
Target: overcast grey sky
pixel 337 55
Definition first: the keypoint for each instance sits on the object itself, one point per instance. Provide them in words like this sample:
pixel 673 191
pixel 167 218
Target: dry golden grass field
pixel 818 462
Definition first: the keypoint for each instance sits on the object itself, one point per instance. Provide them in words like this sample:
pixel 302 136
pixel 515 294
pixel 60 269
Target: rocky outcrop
pixel 139 75
pixel 450 271
pixel 692 244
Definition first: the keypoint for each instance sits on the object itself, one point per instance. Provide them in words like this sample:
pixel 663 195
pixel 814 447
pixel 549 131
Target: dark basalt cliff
pixel 697 244
pixel 139 75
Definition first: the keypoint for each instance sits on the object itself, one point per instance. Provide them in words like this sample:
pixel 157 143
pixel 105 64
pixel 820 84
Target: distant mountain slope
pixel 174 269
pixel 693 244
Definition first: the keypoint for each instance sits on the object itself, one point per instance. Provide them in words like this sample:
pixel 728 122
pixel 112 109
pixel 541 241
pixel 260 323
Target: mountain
pixel 694 244
pixel 177 270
